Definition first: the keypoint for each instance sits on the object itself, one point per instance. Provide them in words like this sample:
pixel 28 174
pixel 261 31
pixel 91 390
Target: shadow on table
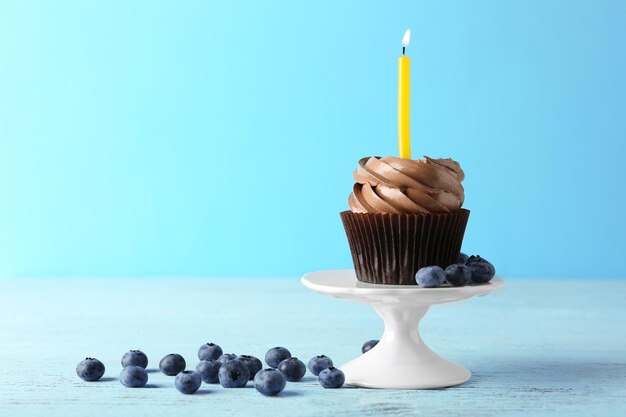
pixel 203 392
pixel 289 394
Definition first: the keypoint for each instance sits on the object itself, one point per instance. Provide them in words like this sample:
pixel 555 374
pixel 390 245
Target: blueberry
pixel 368 345
pixel 188 382
pixel 135 358
pixel 90 369
pixel 208 371
pixel 254 364
pixel 462 259
pixel 226 357
pixel 332 378
pixel 430 277
pixel 276 355
pixel 269 382
pixel 133 376
pixel 293 369
pixel 458 275
pixel 172 364
pixel 482 270
pixel 234 374
pixel 209 351
pixel 318 363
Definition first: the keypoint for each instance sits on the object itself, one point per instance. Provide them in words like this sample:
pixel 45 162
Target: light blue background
pixel 218 138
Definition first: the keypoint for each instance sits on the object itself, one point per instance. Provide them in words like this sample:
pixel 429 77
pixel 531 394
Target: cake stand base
pixel 400 360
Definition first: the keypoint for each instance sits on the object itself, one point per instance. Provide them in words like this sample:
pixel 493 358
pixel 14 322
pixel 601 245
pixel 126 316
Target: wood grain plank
pixel 538 347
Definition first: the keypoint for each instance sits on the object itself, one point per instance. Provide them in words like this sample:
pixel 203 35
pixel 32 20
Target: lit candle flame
pixel 406 38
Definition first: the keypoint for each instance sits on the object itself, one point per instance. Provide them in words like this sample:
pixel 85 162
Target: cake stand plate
pixel 400 360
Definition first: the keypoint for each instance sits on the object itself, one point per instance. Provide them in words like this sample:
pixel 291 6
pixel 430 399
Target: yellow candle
pixel 404 100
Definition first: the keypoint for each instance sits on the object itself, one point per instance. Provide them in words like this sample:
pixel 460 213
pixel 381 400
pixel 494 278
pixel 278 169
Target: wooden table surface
pixel 536 348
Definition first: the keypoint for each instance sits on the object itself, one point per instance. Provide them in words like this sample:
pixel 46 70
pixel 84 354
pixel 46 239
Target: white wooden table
pixel 537 347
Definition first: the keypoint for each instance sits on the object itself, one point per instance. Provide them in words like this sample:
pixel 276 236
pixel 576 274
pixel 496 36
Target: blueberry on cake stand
pixel 400 360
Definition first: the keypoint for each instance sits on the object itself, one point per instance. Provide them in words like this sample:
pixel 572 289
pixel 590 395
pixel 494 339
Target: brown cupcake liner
pixel 390 248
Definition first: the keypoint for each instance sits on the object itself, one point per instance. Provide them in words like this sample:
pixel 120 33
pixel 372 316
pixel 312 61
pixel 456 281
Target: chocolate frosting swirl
pixel 397 185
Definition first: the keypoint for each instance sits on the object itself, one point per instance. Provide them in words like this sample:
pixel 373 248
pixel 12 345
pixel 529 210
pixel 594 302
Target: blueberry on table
pixel 332 378
pixel 226 357
pixel 172 364
pixel 133 376
pixel 458 275
pixel 135 358
pixel 462 258
pixel 367 346
pixel 209 351
pixel 234 374
pixel 276 355
pixel 293 369
pixel 90 369
pixel 208 371
pixel 269 382
pixel 430 277
pixel 318 363
pixel 188 382
pixel 254 364
pixel 482 270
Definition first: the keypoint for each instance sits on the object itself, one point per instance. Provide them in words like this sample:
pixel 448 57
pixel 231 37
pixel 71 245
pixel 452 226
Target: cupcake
pixel 404 214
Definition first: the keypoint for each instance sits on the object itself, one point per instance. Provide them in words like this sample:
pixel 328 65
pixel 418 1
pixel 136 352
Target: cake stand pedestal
pixel 400 360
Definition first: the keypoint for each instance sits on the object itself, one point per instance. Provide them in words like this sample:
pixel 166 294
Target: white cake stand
pixel 400 360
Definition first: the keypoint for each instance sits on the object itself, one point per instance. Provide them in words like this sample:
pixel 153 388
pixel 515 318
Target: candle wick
pixel 403 48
